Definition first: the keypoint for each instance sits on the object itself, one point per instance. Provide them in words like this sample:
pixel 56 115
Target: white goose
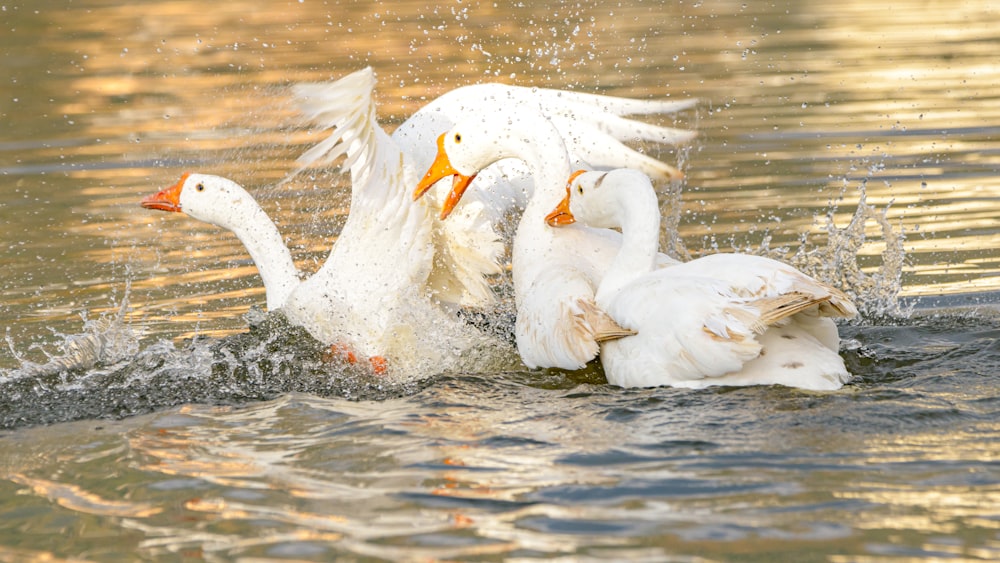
pixel 394 276
pixel 724 319
pixel 555 271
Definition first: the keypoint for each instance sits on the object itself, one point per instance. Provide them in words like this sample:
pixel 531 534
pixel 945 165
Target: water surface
pixel 856 140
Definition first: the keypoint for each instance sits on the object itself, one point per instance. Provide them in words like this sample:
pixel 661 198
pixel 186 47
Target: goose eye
pixel 200 187
pixel 579 190
pixel 458 137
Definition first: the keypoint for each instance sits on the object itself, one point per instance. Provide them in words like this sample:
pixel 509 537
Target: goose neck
pixel 263 242
pixel 639 215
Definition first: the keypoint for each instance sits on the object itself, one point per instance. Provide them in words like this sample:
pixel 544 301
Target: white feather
pixel 725 319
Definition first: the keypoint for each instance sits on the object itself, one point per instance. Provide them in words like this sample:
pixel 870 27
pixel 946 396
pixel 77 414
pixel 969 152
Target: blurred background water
pixel 856 140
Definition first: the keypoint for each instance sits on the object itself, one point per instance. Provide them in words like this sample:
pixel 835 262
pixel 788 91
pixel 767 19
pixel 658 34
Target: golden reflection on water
pixel 250 449
pixel 362 476
pixel 76 499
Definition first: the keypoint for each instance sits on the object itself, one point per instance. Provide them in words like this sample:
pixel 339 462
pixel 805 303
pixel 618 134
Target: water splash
pixel 838 260
pixel 671 211
pixel 106 340
pixel 875 293
pixel 105 373
pixel 672 206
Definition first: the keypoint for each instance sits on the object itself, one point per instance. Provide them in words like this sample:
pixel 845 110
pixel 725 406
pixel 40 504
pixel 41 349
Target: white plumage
pixel 724 319
pixel 395 275
pixel 555 271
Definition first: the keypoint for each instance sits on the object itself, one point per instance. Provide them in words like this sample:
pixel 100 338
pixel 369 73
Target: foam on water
pixel 103 372
pixel 106 340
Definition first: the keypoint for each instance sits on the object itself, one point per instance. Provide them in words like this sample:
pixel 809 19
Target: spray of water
pixel 104 373
pixel 671 210
pixel 837 261
pixel 876 291
pixel 106 340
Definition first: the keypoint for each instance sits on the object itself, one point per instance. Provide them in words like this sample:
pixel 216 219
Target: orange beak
pixel 168 199
pixel 458 187
pixel 561 215
pixel 440 168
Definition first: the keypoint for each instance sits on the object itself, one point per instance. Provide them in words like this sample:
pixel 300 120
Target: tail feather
pixel 779 307
pixel 602 326
pixel 839 305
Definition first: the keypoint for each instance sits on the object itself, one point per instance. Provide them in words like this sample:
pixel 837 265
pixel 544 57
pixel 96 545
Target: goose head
pixel 223 203
pixel 598 198
pixel 459 159
pixel 475 143
pixel 212 199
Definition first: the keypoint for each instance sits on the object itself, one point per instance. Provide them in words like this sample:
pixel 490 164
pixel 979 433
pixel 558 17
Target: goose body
pixel 332 305
pixel 724 319
pixel 555 271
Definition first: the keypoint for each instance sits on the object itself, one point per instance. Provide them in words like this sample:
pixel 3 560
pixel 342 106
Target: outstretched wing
pixel 467 247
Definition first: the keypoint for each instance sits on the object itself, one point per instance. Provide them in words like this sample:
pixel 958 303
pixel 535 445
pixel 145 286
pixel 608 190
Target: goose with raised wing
pixel 723 319
pixel 555 271
pixel 395 276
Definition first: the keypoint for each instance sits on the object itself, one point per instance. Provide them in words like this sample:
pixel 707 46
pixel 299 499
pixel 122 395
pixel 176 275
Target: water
pixel 843 137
